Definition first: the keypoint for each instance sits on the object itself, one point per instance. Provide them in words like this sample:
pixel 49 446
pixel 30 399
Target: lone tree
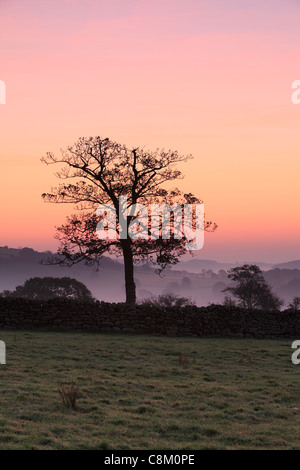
pixel 251 289
pixel 103 172
pixel 46 288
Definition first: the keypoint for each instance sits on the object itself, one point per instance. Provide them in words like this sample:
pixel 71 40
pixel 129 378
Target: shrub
pixel 167 300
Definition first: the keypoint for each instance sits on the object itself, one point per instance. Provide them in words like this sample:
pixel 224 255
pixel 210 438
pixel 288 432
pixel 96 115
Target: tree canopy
pixel 251 289
pixel 102 171
pixel 46 288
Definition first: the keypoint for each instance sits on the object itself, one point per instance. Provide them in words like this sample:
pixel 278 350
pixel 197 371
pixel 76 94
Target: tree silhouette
pixel 46 288
pixel 103 171
pixel 251 289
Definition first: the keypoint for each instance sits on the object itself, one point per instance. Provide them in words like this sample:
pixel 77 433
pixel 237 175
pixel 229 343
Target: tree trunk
pixel 129 277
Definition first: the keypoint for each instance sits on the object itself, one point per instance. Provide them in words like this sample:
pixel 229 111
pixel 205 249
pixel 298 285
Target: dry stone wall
pixel 212 321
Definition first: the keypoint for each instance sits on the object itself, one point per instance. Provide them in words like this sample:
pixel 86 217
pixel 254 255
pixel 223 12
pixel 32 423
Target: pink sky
pixel 211 78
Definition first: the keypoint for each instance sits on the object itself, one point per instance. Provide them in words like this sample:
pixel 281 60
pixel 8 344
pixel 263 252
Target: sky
pixel 208 78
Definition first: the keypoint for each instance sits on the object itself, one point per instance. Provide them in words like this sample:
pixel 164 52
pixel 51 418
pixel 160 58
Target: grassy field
pixel 134 393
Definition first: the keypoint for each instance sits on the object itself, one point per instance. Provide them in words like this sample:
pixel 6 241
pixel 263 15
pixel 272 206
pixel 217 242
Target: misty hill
pixel 197 265
pixel 17 265
pixel 201 280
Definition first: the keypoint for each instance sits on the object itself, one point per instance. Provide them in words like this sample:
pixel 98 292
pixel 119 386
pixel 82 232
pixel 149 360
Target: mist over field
pixel 200 280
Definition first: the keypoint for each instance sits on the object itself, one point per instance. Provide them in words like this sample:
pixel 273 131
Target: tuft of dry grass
pixel 183 359
pixel 68 394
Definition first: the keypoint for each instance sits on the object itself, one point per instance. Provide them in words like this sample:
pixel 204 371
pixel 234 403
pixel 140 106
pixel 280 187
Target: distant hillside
pixel 197 265
pixel 289 265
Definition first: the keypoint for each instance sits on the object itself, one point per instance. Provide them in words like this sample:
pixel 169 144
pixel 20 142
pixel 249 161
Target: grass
pixel 135 393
